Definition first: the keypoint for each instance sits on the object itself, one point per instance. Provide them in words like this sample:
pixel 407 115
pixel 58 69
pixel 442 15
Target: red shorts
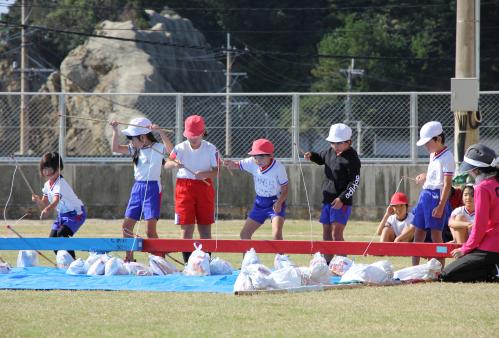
pixel 194 202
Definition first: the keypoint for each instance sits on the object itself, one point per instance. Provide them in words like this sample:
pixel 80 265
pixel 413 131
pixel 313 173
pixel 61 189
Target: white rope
pixel 306 195
pixel 10 195
pixel 217 200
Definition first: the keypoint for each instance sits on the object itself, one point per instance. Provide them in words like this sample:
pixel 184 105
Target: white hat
pixel 136 131
pixel 428 131
pixel 339 132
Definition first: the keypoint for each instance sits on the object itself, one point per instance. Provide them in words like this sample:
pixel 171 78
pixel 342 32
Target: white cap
pixel 136 131
pixel 339 132
pixel 428 131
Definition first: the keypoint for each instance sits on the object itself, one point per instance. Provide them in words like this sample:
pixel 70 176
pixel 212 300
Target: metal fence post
pixel 179 120
pixel 295 127
pixel 414 126
pixel 62 126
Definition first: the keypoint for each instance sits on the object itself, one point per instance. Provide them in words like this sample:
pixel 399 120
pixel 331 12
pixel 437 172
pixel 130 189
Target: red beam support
pixel 302 247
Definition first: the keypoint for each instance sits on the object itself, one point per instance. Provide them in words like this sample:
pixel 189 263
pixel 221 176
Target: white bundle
pixel 260 276
pixel 365 273
pixel 115 266
pixel 198 263
pixel 243 282
pixel 386 266
pixel 137 269
pixel 219 266
pixel 286 278
pixel 63 259
pixel 98 268
pixel 250 257
pixel 27 258
pixel 4 268
pixel 429 270
pixel 282 261
pixel 161 267
pixel 77 267
pixel 339 265
pixel 319 271
pixel 92 258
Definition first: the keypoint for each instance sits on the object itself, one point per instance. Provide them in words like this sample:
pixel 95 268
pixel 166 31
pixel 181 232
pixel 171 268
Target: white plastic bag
pixel 63 259
pixel 282 261
pixel 27 258
pixel 198 263
pixel 250 257
pixel 243 282
pixel 365 273
pixel 430 270
pixel 159 266
pixel 386 266
pixel 219 266
pixel 4 268
pixel 77 267
pixel 92 258
pixel 339 265
pixel 115 266
pixel 286 278
pixel 138 269
pixel 319 271
pixel 260 276
pixel 98 268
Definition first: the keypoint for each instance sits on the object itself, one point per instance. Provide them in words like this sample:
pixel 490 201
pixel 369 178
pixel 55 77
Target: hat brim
pixel 423 141
pixel 332 139
pixel 253 153
pixel 466 167
pixel 134 132
pixel 190 134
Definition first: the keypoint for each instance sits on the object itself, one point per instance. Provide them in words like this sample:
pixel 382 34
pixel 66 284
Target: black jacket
pixel 342 174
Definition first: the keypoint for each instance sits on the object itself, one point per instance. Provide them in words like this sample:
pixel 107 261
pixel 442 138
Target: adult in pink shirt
pixel 478 259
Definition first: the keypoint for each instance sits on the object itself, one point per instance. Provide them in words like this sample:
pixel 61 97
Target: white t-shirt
pixel 268 182
pixel 470 217
pixel 150 163
pixel 441 164
pixel 397 225
pixel 202 159
pixel 68 201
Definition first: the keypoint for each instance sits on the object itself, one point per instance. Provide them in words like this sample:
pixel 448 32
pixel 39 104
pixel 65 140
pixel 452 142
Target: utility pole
pixel 466 123
pixel 23 119
pixel 227 99
pixel 350 73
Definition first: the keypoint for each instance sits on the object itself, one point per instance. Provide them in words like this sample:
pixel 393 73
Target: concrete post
pixel 414 126
pixel 62 125
pixel 295 127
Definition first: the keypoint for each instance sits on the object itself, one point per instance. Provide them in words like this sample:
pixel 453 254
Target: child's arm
pixel 201 175
pixel 41 202
pixel 421 178
pixel 318 158
pixel 353 183
pixel 164 137
pixel 284 194
pixel 459 224
pixel 116 147
pixel 407 234
pixel 49 207
pixel 382 224
pixel 231 164
pixel 444 196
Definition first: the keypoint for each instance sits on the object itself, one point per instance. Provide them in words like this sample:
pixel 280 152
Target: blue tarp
pixel 43 278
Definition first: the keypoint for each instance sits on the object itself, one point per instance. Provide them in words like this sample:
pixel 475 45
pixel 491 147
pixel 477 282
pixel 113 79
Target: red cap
pixel 261 147
pixel 399 198
pixel 194 126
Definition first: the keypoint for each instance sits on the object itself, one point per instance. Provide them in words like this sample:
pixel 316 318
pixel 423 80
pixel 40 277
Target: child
pixel 57 194
pixel 197 163
pixel 147 157
pixel 342 170
pixel 462 218
pixel 271 187
pixel 433 205
pixel 478 259
pixel 396 223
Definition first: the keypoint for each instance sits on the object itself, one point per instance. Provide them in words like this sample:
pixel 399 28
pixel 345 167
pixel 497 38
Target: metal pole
pixel 23 120
pixel 414 127
pixel 359 137
pixel 348 106
pixel 62 126
pixel 295 126
pixel 179 119
pixel 227 100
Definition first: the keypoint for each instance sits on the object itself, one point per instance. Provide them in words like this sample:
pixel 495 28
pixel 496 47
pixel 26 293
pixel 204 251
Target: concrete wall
pixel 105 188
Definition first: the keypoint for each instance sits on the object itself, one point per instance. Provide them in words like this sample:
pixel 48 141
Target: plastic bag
pixel 27 258
pixel 198 263
pixel 4 267
pixel 137 269
pixel 63 259
pixel 219 266
pixel 92 258
pixel 115 266
pixel 250 257
pixel 365 273
pixel 159 266
pixel 339 265
pixel 319 271
pixel 243 282
pixel 260 276
pixel 98 268
pixel 430 270
pixel 286 278
pixel 282 261
pixel 77 267
pixel 386 266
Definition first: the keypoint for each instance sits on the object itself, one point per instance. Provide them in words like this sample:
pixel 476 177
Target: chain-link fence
pixel 385 125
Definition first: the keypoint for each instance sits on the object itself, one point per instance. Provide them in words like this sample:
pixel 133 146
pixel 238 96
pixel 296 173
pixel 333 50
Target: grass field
pixel 422 310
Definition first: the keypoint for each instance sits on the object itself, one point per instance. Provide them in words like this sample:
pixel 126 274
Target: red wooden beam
pixel 302 247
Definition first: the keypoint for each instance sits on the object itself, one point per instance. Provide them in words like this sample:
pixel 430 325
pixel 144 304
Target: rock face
pixel 116 66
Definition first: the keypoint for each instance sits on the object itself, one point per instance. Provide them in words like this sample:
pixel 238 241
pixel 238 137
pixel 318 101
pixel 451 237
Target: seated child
pixel 396 223
pixel 462 218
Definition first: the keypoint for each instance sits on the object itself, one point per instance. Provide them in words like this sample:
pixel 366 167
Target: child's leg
pixel 151 228
pixel 277 225
pixel 407 234
pixel 64 231
pixel 250 226
pixel 327 235
pixel 186 232
pixel 460 234
pixel 204 231
pixel 127 229
pixel 387 235
pixel 338 229
pixel 419 236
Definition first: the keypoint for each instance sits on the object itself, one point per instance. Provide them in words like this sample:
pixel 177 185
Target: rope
pixel 217 200
pixel 105 121
pixel 10 195
pixel 306 195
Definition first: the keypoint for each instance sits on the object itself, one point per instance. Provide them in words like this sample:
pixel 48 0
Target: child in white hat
pixel 342 170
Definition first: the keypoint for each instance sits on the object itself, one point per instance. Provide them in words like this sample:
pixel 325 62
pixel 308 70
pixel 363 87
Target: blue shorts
pixel 145 194
pixel 330 215
pixel 71 220
pixel 428 200
pixel 262 209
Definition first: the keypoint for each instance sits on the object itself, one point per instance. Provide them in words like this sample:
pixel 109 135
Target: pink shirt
pixel 485 232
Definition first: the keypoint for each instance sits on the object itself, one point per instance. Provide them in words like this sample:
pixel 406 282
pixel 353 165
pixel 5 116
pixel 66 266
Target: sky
pixel 4 5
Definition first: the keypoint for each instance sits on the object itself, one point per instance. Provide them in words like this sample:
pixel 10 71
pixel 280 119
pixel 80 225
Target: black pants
pixel 64 231
pixel 477 266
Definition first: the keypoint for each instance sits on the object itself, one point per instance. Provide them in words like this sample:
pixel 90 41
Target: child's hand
pixel 307 155
pixel 437 212
pixel 44 213
pixel 155 127
pixel 230 164
pixel 35 198
pixel 421 178
pixel 277 207
pixel 114 124
pixel 389 210
pixel 337 203
pixel 457 253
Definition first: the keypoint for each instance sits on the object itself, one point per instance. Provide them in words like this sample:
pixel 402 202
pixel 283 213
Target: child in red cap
pixel 197 163
pixel 396 223
pixel 271 187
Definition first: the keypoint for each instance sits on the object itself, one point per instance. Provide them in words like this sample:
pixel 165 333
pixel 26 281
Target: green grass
pixel 432 309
